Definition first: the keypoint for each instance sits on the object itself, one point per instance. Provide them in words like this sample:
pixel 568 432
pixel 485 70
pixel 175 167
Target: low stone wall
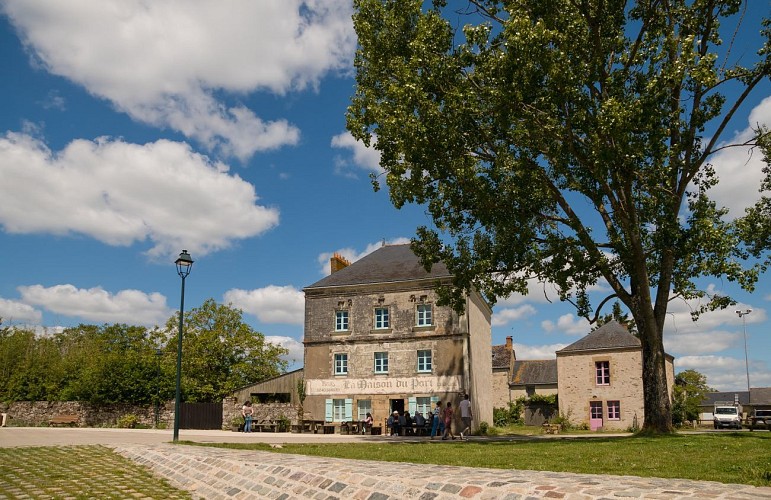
pixel 38 413
pixel 231 411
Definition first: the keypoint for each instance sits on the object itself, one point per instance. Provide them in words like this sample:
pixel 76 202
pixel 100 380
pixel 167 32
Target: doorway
pixel 397 405
pixel 595 415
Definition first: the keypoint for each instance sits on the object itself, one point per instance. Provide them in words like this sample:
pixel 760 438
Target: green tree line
pixel 121 363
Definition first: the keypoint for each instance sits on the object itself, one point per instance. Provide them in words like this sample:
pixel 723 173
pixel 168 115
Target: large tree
pixel 564 140
pixel 221 353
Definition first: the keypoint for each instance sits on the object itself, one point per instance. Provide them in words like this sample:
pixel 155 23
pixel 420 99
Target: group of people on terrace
pixel 439 422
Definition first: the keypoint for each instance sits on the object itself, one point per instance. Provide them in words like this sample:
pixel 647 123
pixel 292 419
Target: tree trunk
pixel 657 406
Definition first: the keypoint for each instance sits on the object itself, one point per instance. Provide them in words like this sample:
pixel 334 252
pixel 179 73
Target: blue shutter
pixel 348 410
pixel 412 405
pixel 328 411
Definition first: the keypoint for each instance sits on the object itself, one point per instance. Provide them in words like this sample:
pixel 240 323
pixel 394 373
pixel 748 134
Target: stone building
pixel 503 359
pixel 600 379
pixel 533 376
pixel 377 341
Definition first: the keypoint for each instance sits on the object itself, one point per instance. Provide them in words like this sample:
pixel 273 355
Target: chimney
pixel 508 343
pixel 337 262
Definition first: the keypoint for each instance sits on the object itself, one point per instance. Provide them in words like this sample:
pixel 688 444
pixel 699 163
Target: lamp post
pixel 184 264
pixel 742 314
pixel 158 353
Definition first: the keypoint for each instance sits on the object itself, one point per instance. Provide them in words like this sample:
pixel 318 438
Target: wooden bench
pixel 552 428
pixel 64 420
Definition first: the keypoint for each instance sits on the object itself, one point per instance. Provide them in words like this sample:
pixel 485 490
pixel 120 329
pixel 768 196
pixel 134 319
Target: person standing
pixel 465 415
pixel 247 412
pixel 435 418
pixel 448 412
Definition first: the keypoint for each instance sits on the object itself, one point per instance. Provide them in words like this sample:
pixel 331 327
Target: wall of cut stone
pixel 38 413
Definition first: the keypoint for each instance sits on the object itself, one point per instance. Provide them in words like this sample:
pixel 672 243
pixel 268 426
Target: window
pixel 424 317
pixel 602 368
pixel 424 361
pixel 381 362
pixel 341 321
pixel 364 406
pixel 614 410
pixel 381 318
pixel 338 410
pixel 423 405
pixel 341 364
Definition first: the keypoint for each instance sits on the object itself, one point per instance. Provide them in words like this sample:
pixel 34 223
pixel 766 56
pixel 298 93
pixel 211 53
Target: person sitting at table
pixel 407 424
pixel 393 423
pixel 366 424
pixel 420 422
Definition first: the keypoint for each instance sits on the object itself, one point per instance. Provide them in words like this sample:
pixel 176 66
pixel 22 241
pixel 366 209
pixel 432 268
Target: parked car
pixel 760 419
pixel 727 414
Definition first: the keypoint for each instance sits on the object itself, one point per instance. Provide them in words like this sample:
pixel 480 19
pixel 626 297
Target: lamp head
pixel 184 263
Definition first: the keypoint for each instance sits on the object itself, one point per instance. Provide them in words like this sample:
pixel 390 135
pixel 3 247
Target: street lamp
pixel 184 264
pixel 742 314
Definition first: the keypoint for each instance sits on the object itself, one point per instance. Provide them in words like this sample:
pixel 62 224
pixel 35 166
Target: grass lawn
pixel 725 457
pixel 78 472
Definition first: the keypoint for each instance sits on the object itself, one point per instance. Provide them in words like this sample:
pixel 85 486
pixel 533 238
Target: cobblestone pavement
pixel 216 473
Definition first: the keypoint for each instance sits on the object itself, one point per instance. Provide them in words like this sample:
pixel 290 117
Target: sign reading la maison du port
pixel 414 385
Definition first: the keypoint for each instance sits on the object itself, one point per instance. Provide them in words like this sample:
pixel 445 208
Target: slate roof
pixel 387 264
pixel 761 395
pixel 534 372
pixel 501 357
pixel 611 335
pixel 711 397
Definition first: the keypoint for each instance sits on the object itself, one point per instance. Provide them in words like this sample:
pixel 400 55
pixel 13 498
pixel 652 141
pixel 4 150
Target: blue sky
pixel 132 130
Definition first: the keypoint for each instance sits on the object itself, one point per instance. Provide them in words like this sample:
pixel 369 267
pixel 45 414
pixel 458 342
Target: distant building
pixel 377 341
pixel 600 379
pixel 503 358
pixel 533 376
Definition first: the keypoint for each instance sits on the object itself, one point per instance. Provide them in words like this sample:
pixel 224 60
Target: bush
pixel 129 421
pixel 564 421
pixel 509 416
pixel 283 423
pixel 484 428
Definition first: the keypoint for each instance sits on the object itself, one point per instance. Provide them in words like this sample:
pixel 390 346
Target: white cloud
pixel 296 350
pixel 363 157
pixel 547 351
pixel 96 304
pixel 272 304
pixel 567 324
pixel 502 317
pixel 163 62
pixel 12 312
pixel 739 168
pixel 120 193
pixel 352 255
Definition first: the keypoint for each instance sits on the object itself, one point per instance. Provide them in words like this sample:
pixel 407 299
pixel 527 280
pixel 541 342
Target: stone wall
pixel 231 411
pixel 38 413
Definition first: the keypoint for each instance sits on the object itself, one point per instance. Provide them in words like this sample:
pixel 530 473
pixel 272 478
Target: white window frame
pixel 382 318
pixel 338 410
pixel 425 362
pixel 341 363
pixel 342 320
pixel 381 362
pixel 424 315
pixel 363 407
pixel 423 405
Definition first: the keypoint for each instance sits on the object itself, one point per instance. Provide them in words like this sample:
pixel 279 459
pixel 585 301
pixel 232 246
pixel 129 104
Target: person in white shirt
pixel 465 416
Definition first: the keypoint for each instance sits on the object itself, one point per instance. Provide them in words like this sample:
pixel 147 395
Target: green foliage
pixel 484 428
pixel 547 399
pixel 283 423
pixel 564 420
pixel 565 141
pixel 689 391
pixel 509 416
pixel 128 421
pixel 221 353
pixel 122 363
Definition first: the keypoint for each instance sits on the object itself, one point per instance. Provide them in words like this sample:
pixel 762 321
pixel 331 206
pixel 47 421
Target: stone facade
pixel 231 412
pixel 604 371
pixel 391 279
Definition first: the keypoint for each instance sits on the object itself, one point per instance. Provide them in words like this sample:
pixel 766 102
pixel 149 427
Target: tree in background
pixel 122 363
pixel 616 314
pixel 565 141
pixel 220 353
pixel 689 391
